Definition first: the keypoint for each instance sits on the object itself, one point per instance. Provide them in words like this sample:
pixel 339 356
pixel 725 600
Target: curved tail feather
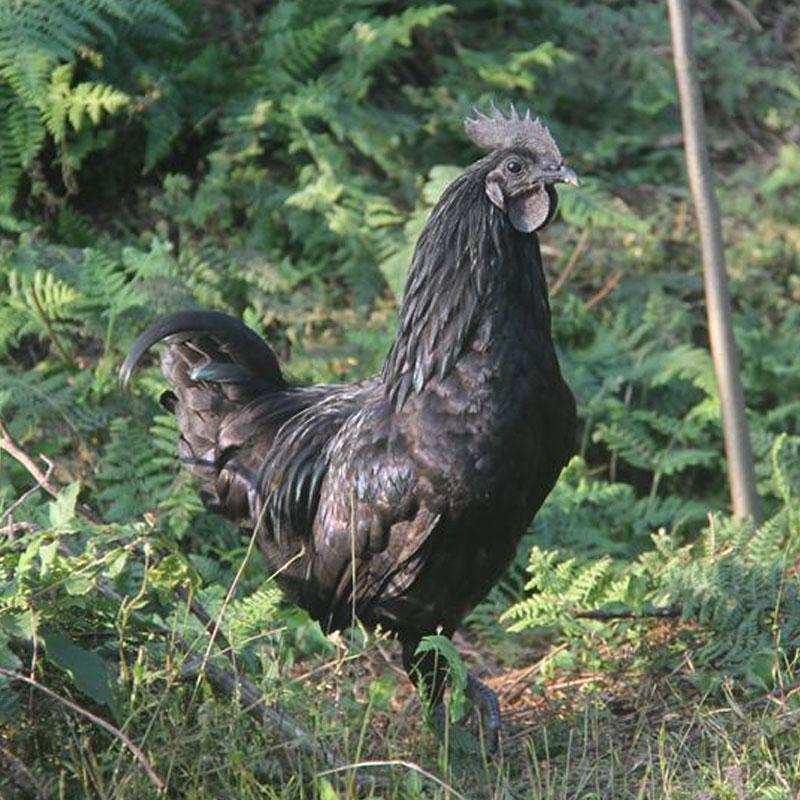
pixel 245 346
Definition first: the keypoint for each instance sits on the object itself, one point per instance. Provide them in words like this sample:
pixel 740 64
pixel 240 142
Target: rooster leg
pixel 485 707
pixel 485 702
pixel 429 674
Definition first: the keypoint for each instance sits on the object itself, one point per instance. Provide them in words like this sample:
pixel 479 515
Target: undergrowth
pixel 278 161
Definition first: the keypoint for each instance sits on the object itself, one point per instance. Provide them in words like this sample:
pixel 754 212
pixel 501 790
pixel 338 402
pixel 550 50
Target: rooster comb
pixel 501 132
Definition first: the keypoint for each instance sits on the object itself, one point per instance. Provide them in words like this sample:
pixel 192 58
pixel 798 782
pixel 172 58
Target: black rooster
pixel 399 500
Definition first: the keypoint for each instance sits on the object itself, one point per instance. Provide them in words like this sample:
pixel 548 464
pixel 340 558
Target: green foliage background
pixel 277 160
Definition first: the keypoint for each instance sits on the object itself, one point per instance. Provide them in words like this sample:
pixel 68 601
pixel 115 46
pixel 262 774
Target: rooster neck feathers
pixel 470 270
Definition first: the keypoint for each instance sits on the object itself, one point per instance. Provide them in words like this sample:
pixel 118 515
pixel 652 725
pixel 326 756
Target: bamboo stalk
pixel 741 474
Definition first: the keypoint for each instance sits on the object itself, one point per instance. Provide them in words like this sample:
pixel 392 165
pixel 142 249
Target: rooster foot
pixel 485 713
pixel 485 703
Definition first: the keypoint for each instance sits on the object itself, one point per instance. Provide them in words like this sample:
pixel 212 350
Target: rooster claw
pixel 485 707
pixel 485 702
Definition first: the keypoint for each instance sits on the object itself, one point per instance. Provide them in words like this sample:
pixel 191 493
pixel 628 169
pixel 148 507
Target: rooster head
pixel 521 171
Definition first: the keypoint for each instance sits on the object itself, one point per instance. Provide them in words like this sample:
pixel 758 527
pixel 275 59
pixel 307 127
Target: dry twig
pixel 25 495
pixel 580 245
pixel 18 527
pixel 605 290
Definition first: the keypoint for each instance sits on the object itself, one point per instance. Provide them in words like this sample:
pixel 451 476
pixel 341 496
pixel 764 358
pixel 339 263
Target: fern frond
pixel 558 590
pixel 131 480
pixel 44 299
pixel 594 207
pixel 40 43
pixel 36 399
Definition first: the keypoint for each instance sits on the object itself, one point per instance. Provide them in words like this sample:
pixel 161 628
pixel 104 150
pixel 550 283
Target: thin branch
pixel 18 527
pixel 22 498
pixel 99 721
pixel 8 444
pixel 511 689
pixel 746 15
pixel 580 245
pixel 778 695
pixel 667 612
pixel 606 290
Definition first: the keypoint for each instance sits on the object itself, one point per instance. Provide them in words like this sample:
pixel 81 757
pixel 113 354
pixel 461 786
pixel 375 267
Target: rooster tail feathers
pixel 247 354
pixel 218 370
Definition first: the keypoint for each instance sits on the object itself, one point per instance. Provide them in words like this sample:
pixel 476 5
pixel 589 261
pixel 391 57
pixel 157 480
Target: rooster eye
pixel 513 166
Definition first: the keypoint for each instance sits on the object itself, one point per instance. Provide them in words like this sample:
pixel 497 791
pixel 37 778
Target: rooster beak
pixel 557 173
pixel 567 175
